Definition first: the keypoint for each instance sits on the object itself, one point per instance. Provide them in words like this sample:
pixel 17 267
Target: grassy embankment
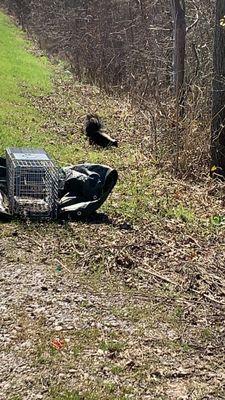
pixel 35 111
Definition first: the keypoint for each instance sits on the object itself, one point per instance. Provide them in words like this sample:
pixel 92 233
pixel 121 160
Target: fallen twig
pixel 207 296
pixel 63 265
pixel 154 273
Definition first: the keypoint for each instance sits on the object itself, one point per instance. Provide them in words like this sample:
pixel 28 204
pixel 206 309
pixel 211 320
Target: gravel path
pixel 82 320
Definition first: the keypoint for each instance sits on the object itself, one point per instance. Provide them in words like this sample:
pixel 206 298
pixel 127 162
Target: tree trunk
pixel 179 44
pixel 218 95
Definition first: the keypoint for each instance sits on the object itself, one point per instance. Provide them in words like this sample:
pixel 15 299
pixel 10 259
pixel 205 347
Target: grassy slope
pixel 19 71
pixel 127 333
pixel 36 112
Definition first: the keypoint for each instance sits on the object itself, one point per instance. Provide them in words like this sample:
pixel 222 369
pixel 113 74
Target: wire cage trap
pixel 33 183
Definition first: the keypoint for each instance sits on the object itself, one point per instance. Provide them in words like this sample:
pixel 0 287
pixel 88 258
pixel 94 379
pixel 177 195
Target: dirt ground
pixel 137 314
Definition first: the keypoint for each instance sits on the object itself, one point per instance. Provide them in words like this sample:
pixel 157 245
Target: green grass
pixel 19 67
pixel 74 395
pixel 21 72
pixel 112 346
pixel 71 395
pixel 16 398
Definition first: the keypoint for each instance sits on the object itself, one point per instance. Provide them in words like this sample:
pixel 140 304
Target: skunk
pixel 93 128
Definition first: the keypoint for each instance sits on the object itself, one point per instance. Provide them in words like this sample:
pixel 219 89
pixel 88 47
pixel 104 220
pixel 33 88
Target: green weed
pixel 16 397
pixel 117 369
pixel 111 346
pixel 206 334
pixel 57 394
pixel 181 212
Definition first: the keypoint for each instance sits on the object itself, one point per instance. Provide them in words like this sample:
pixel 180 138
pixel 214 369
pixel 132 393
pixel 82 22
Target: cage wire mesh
pixel 33 183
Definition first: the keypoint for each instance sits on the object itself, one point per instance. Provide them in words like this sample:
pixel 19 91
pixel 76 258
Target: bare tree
pixel 218 94
pixel 179 44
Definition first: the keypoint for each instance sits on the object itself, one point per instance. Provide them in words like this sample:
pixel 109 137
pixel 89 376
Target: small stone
pixel 58 328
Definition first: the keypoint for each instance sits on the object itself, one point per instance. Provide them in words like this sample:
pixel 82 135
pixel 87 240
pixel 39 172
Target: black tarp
pixel 85 189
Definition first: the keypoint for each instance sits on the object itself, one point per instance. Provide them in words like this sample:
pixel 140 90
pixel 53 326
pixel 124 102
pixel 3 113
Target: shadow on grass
pixel 99 218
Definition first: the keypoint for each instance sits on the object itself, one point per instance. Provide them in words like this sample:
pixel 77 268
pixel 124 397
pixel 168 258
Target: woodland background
pixel 126 47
